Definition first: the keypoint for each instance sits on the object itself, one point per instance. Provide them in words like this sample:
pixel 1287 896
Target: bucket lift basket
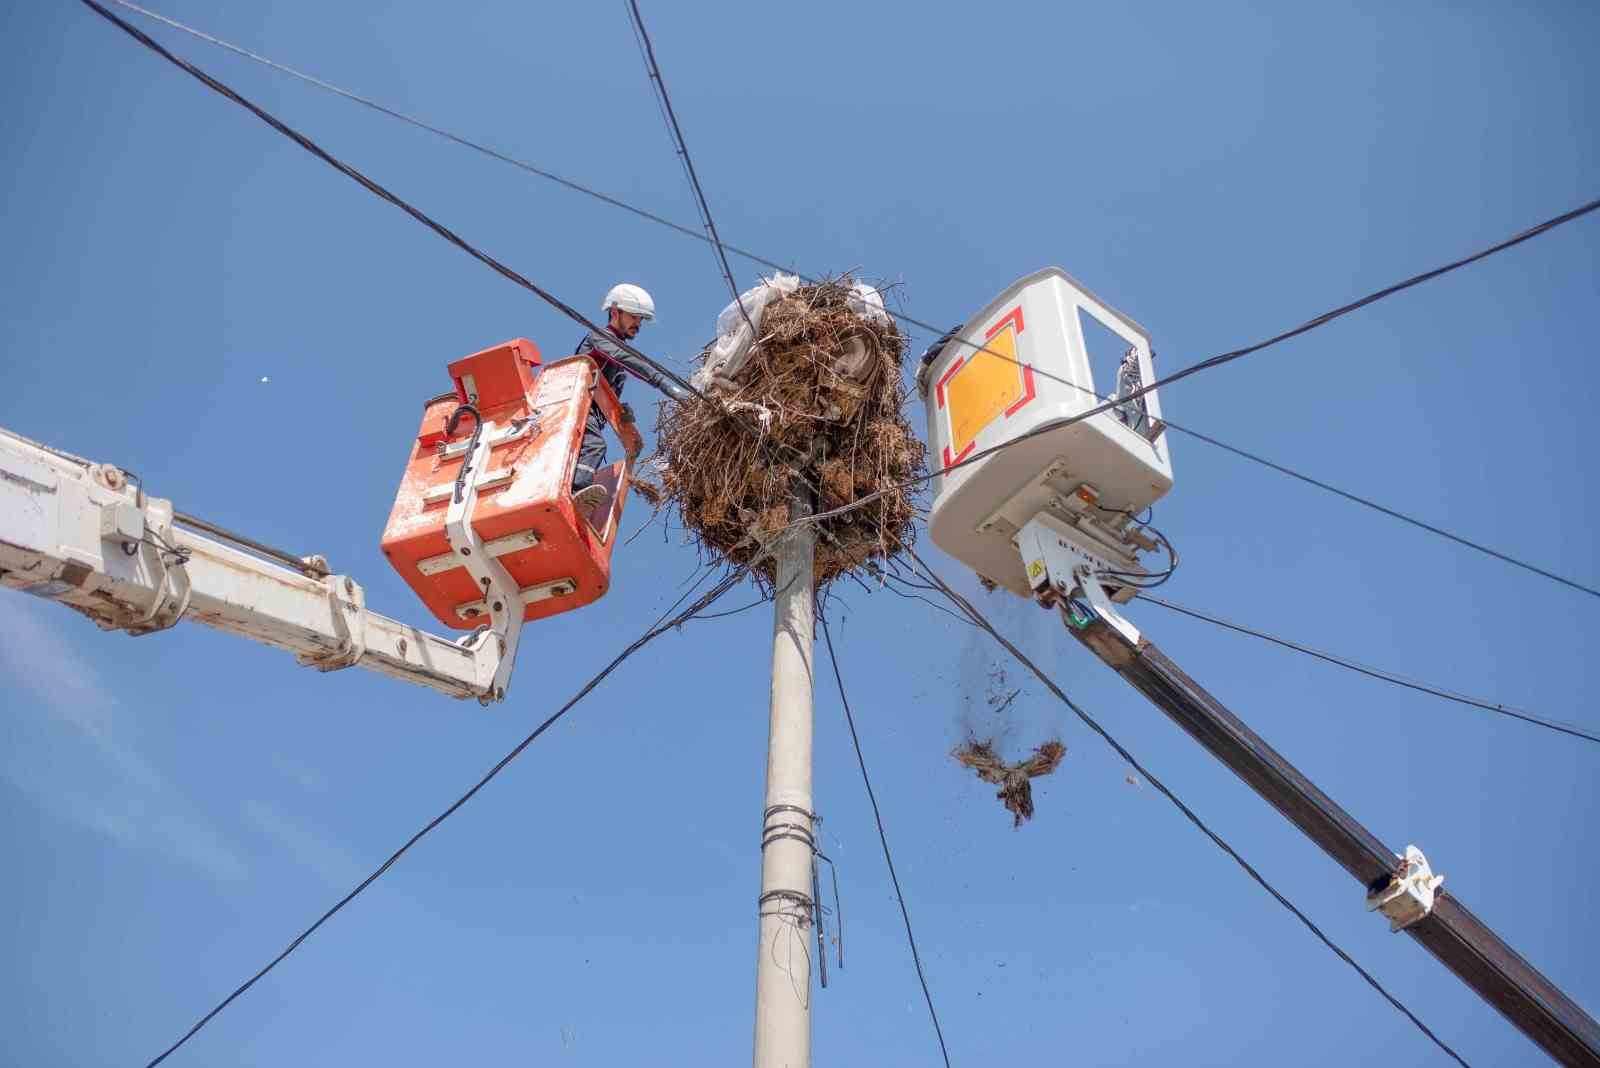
pixel 523 426
pixel 1018 375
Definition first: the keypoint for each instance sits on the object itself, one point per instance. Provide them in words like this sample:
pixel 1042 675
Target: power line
pixel 722 587
pixel 653 69
pixel 732 579
pixel 464 142
pixel 1377 673
pixel 978 618
pixel 1290 472
pixel 378 190
pixel 1385 510
pixel 578 187
pixel 883 838
pixel 973 458
pixel 1226 357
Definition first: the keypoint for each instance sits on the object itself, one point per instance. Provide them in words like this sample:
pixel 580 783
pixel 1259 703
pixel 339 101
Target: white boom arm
pixel 79 533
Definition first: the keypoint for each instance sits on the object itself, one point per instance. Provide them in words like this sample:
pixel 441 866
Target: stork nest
pixel 793 416
pixel 1014 780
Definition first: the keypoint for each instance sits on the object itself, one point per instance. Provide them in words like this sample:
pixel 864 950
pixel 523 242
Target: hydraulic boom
pixel 87 535
pixel 1403 887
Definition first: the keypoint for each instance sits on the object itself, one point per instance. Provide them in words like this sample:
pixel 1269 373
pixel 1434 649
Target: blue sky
pixel 175 808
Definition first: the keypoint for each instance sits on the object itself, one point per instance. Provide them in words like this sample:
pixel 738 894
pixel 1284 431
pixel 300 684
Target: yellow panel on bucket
pixel 983 388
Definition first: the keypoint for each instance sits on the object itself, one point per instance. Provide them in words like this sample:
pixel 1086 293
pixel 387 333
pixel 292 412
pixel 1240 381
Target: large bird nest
pixel 817 404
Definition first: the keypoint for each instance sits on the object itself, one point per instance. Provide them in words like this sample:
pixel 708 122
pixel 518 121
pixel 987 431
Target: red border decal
pixel 1012 316
pixel 950 461
pixel 938 389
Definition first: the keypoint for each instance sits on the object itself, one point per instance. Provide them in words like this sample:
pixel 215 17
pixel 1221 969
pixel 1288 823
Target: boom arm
pixel 82 534
pixel 1404 888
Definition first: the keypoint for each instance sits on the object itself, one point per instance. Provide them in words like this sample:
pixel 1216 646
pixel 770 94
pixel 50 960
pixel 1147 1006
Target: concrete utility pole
pixel 788 828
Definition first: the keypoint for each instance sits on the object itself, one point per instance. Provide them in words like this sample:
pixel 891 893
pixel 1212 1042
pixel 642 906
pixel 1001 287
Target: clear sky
pixel 192 297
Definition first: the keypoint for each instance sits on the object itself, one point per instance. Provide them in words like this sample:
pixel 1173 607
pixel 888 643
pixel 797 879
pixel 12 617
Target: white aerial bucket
pixel 1034 378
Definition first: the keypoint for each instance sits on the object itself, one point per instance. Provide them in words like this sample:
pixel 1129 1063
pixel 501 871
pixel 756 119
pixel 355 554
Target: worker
pixel 626 307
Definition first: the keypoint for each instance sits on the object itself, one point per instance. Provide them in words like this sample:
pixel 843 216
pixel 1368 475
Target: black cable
pixel 1392 513
pixel 736 611
pixel 653 70
pixel 1378 673
pixel 378 190
pixel 911 320
pixel 883 838
pixel 889 583
pixel 577 317
pixel 464 142
pixel 1226 357
pixel 979 619
pixel 472 443
pixel 710 596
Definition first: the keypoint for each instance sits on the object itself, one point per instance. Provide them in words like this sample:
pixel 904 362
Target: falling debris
pixel 813 391
pixel 1016 789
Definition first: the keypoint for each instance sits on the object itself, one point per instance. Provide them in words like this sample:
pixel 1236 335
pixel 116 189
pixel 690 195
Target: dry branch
pixel 1013 779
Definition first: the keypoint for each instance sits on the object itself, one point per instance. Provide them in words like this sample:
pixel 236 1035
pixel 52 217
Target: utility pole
pixel 788 825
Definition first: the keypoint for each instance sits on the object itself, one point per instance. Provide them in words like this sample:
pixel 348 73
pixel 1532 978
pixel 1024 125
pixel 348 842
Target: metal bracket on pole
pixel 1409 895
pixel 500 590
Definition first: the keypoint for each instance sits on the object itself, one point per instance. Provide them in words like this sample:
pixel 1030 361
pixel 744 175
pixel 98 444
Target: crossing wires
pixel 653 69
pixel 1375 673
pixel 883 837
pixel 378 190
pixel 1235 354
pixel 967 609
pixel 722 247
pixel 660 627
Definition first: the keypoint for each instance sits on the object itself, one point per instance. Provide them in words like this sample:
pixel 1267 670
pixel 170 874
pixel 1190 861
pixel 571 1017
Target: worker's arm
pixel 609 350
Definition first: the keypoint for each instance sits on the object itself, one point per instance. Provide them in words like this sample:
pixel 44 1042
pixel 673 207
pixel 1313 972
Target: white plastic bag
pixel 867 302
pixel 727 355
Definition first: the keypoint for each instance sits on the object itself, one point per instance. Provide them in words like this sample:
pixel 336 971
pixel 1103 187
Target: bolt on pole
pixel 788 828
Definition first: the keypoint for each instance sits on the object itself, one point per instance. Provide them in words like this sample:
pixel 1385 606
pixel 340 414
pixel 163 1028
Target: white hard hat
pixel 631 299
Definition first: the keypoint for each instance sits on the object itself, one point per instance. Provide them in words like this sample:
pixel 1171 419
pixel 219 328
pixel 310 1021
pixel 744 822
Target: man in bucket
pixel 627 307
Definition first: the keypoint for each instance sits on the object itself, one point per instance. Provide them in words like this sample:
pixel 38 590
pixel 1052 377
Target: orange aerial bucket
pixel 524 513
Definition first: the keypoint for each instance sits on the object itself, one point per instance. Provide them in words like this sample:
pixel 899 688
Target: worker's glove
pixel 627 412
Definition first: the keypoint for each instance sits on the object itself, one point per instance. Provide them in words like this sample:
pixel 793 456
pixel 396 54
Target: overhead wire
pixel 616 202
pixel 656 630
pixel 1366 502
pixel 571 313
pixel 967 608
pixel 1376 673
pixel 653 71
pixel 464 142
pixel 380 191
pixel 1214 361
pixel 883 839
pixel 372 186
pixel 1227 357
